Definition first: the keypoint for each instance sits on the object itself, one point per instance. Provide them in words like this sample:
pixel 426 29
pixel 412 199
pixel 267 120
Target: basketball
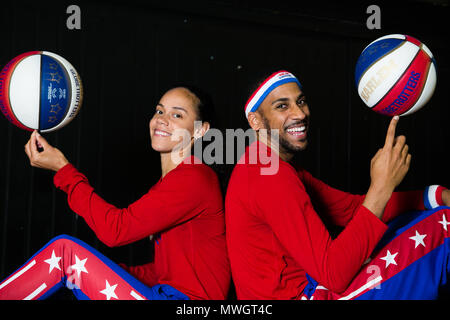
pixel 40 90
pixel 396 75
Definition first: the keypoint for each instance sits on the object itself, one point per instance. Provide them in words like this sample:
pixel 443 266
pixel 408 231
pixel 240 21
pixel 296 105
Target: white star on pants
pixel 53 262
pixel 389 258
pixel 79 265
pixel 109 291
pixel 418 238
pixel 444 222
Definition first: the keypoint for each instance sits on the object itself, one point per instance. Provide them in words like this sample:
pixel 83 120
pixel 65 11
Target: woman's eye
pixel 177 115
pixel 159 112
pixel 301 102
pixel 282 106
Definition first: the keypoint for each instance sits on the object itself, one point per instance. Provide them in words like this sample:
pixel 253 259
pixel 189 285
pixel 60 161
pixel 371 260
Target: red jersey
pixel 184 211
pixel 275 235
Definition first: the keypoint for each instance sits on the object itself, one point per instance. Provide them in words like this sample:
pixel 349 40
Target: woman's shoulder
pixel 193 168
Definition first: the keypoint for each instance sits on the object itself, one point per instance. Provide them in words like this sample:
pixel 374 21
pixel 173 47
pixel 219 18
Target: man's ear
pixel 254 120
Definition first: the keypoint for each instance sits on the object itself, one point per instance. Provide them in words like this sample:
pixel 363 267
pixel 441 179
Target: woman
pixel 183 212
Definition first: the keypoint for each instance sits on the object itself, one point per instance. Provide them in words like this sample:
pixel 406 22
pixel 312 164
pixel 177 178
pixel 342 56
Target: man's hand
pixel 50 158
pixel 391 163
pixel 387 170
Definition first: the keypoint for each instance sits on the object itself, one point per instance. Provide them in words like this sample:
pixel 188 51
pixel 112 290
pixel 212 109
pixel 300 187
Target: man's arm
pixel 283 203
pixel 339 207
pixel 388 168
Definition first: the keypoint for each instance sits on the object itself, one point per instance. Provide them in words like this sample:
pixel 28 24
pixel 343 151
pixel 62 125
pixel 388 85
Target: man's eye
pixel 301 102
pixel 282 106
pixel 177 115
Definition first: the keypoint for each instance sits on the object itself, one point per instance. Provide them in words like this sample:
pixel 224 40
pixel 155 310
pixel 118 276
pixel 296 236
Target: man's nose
pixel 298 112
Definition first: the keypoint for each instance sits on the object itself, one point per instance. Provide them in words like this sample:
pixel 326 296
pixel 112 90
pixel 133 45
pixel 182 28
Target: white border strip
pixel 364 287
pixel 18 274
pixel 36 292
pixel 432 196
pixel 135 295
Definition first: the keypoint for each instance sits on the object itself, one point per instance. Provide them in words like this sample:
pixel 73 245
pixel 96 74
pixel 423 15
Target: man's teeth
pixel 296 129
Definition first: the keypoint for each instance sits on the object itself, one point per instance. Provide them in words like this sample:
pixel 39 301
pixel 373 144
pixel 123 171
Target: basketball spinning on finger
pixel 40 90
pixel 396 75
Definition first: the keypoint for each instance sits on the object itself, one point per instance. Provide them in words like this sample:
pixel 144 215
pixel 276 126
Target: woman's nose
pixel 162 119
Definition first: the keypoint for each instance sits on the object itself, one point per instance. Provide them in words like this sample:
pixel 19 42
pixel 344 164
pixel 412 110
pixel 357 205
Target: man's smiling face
pixel 286 110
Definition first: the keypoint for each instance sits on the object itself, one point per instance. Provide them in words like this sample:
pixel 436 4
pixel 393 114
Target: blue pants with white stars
pixel 411 261
pixel 69 262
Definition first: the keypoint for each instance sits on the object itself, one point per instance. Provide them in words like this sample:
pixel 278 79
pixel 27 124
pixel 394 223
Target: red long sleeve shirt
pixel 275 235
pixel 185 209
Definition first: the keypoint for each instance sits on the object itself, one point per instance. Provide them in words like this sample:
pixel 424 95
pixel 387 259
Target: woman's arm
pixel 178 197
pixel 172 201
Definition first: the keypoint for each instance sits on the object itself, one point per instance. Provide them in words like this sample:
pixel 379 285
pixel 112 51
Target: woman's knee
pixel 64 240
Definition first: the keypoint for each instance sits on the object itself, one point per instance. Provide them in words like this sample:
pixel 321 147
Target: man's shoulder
pixel 261 173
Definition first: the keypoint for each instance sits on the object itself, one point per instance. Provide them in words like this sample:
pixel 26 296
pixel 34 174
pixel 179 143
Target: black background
pixel 127 52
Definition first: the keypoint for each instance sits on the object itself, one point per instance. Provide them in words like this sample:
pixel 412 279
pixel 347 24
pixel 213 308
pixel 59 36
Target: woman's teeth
pixel 162 133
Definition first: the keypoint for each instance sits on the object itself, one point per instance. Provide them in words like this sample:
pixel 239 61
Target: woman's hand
pixel 387 170
pixel 50 158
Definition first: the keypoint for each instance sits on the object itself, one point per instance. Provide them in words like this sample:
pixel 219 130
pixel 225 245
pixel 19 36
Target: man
pixel 278 245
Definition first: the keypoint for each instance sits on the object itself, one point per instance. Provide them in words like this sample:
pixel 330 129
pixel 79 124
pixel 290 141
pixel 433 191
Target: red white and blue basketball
pixel 40 90
pixel 396 75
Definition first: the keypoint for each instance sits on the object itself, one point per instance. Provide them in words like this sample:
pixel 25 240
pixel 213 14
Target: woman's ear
pixel 200 131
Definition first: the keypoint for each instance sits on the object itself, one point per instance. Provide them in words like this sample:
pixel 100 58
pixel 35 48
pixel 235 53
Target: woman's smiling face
pixel 173 119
